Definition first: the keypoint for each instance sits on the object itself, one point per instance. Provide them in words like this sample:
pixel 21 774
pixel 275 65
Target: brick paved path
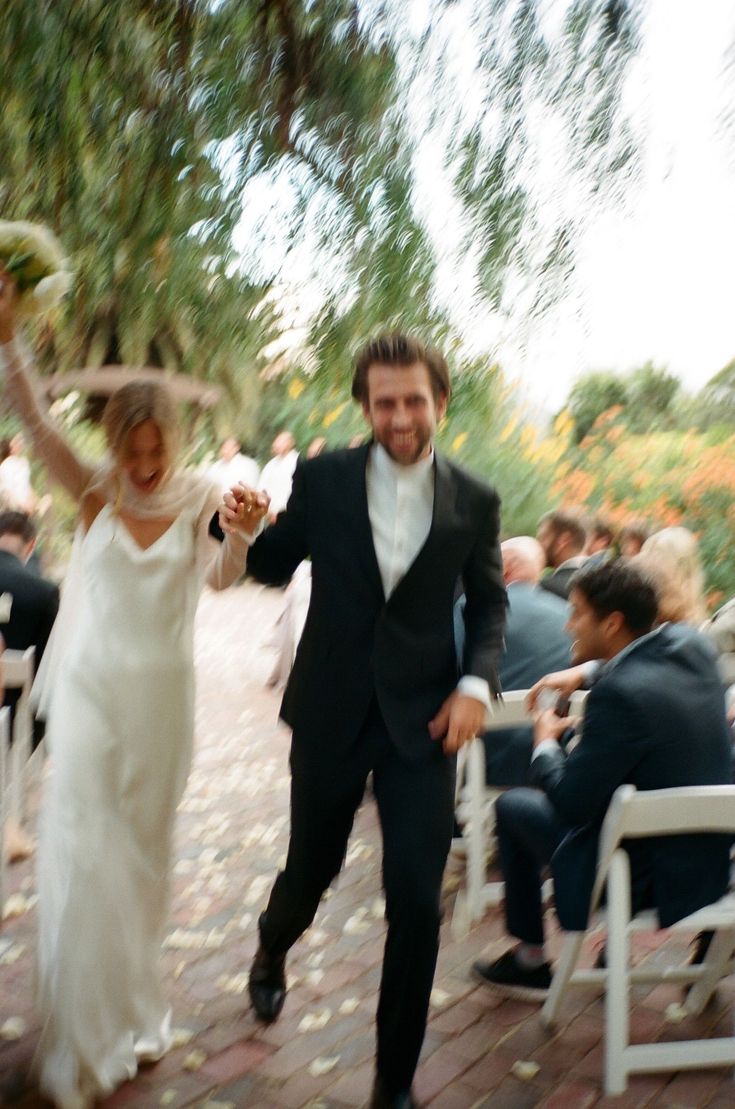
pixel 232 835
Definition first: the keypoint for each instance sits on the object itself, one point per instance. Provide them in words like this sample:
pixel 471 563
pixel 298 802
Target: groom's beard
pixel 405 449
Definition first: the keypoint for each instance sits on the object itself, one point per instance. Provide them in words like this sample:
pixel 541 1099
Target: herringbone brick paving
pixel 232 835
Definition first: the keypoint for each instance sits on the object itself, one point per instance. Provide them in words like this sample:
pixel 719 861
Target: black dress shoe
pixel 381 1099
pixel 267 985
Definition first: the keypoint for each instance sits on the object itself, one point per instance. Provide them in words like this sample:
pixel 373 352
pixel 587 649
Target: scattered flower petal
pixel 180 1037
pixel 676 1013
pixel 194 1060
pixel 313 1021
pixel 525 1069
pixel 323 1066
pixel 12 1029
pixel 439 998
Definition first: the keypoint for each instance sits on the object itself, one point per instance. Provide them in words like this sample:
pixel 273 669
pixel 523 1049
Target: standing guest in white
pixel 277 476
pixel 233 467
pixel 120 725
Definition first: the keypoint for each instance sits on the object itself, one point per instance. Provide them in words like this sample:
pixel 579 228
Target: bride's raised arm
pixel 21 386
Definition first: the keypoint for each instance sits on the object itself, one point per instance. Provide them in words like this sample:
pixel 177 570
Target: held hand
pixel 242 509
pixel 8 296
pixel 458 721
pixel 566 682
pixel 547 725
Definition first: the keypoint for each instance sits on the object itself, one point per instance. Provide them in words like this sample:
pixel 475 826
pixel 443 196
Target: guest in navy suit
pixel 655 717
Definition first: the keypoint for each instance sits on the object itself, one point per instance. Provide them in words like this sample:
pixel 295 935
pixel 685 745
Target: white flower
pixel 36 260
pixel 51 290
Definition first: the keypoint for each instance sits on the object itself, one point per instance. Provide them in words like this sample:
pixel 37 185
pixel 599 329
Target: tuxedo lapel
pixel 356 494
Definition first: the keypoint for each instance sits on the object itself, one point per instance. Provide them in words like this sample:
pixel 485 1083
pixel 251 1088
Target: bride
pixel 120 725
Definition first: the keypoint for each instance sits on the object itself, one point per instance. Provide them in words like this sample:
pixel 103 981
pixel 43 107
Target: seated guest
pixel 535 643
pixel 599 545
pixel 632 536
pixel 655 717
pixel 720 631
pixel 562 536
pixel 28 607
pixel 671 558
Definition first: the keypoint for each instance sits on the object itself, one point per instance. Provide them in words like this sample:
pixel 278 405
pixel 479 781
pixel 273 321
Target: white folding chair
pixel 4 793
pixel 475 809
pixel 18 674
pixel 633 815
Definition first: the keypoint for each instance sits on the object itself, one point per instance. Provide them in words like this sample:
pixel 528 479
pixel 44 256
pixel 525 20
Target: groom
pixel 392 530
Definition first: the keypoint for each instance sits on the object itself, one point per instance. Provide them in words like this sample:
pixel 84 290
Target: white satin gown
pixel 120 738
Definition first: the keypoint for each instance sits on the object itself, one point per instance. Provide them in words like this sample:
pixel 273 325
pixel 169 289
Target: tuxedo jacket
pixel 357 644
pixel 33 604
pixel 655 718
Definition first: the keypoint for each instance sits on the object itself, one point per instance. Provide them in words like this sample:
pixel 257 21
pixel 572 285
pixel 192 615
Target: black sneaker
pixel 508 977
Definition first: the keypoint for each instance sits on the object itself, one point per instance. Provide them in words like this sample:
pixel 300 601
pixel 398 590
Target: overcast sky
pixel 657 282
pixel 653 282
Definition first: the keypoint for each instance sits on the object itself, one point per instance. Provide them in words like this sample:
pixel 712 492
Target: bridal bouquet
pixel 34 257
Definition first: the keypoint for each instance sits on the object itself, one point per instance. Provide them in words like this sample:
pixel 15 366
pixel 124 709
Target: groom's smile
pixel 402 410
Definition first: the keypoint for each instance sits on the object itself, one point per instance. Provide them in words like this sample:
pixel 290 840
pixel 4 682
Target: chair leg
pixel 563 973
pixel 475 834
pixel 617 993
pixel 714 968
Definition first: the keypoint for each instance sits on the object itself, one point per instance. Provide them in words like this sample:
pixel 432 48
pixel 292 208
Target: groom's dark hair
pixel 395 349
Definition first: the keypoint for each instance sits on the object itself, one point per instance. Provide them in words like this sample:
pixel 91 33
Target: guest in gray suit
pixel 536 643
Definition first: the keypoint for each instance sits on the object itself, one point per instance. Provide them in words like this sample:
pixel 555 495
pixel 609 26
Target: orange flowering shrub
pixel 665 477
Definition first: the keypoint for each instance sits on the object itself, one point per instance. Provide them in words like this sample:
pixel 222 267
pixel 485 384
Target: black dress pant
pixel 415 801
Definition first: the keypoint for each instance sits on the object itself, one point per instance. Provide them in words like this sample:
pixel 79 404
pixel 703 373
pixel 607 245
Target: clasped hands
pixel 242 509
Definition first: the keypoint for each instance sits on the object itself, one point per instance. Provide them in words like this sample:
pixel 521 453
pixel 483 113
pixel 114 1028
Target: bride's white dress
pixel 120 736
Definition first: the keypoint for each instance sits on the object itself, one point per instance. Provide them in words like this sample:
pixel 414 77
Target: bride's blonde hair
pixel 133 404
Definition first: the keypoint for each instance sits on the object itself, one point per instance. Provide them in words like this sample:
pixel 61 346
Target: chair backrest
pixel 4 745
pixel 17 668
pixel 635 814
pixel 512 711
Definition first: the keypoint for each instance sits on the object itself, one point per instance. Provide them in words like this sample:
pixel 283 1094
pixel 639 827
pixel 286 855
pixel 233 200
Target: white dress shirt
pixel 400 507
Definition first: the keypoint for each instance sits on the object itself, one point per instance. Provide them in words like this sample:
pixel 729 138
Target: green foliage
pixel 532 80
pixel 650 399
pixel 713 408
pixel 591 395
pixel 646 398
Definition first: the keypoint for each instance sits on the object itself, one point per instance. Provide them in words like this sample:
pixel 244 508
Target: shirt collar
pixel 613 662
pixel 385 466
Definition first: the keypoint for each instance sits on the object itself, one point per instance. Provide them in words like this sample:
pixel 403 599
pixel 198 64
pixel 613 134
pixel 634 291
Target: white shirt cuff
pixel 545 745
pixel 472 686
pixel 251 536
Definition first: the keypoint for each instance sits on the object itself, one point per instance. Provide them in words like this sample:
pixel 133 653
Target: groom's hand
pixel 458 721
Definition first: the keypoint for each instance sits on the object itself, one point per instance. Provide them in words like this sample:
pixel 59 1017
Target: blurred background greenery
pixel 149 135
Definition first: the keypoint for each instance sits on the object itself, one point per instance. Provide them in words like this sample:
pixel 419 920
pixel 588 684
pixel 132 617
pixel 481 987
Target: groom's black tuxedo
pixel 356 644
pixel 370 673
